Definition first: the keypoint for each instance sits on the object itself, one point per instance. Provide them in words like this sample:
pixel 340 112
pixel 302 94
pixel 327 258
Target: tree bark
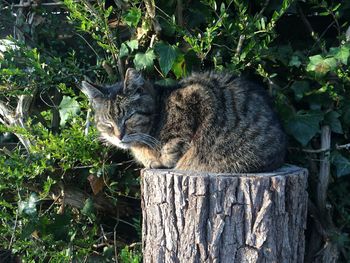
pixel 233 218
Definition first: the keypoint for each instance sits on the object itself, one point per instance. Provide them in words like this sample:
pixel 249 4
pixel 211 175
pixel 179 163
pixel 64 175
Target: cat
pixel 209 122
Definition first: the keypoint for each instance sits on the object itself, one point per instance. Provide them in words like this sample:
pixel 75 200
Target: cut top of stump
pixel 224 218
pixel 289 170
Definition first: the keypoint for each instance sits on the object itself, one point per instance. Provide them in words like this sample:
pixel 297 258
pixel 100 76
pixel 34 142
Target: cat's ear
pixel 91 90
pixel 133 81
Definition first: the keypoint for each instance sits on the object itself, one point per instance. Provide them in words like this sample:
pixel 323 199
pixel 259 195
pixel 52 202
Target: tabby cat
pixel 210 122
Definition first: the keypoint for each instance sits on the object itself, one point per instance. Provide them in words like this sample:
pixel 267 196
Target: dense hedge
pixel 64 196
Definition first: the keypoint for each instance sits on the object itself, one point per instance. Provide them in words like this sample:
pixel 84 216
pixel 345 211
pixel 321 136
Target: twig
pixel 321 150
pixel 266 3
pixel 121 4
pixel 87 123
pixel 83 38
pixel 179 11
pixel 13 233
pixel 151 12
pixel 344 146
pixel 108 69
pixel 324 174
pixel 152 40
pixel 309 27
pixel 32 4
pixel 55 122
pixel 13 118
pixel 115 242
pixel 55 200
pixel 347 34
pixel 240 44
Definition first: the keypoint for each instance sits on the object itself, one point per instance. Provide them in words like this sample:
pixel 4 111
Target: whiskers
pixel 144 138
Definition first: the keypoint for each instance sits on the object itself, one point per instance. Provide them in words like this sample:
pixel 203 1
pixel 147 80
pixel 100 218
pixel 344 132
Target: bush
pixel 67 197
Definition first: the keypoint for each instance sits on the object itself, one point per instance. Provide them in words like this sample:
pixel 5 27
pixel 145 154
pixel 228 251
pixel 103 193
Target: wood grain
pixel 192 217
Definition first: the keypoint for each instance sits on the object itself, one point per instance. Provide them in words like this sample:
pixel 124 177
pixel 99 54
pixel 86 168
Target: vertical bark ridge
pixel 226 218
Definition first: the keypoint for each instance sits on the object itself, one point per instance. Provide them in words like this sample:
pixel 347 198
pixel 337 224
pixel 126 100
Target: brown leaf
pixel 96 183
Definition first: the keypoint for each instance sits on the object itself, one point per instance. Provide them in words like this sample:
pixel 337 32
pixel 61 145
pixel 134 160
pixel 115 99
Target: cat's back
pixel 231 101
pixel 233 122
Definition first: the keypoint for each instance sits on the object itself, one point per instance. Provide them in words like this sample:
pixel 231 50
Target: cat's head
pixel 124 112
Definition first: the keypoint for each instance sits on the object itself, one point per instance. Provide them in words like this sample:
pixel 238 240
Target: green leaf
pixel 343 54
pixel 179 67
pixel 341 163
pixel 295 61
pixel 126 46
pixel 304 125
pixel 167 55
pixel 346 114
pixel 89 208
pixel 68 107
pixel 132 17
pixel 47 187
pixel 144 60
pixel 166 82
pixel 132 44
pixel 28 207
pixel 332 118
pixel 321 66
pixel 300 88
pixel 124 51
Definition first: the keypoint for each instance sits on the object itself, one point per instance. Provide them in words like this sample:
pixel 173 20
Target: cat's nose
pixel 121 135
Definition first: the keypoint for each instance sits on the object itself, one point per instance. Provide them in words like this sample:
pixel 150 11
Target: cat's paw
pixel 156 165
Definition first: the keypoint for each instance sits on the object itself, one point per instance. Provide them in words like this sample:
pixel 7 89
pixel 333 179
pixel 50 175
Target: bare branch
pixel 322 150
pixel 309 27
pixel 17 117
pixel 324 174
pixel 240 44
pixel 344 146
pixel 151 12
pixel 179 12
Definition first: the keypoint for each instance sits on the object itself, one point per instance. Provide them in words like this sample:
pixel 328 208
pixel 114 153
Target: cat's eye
pixel 109 127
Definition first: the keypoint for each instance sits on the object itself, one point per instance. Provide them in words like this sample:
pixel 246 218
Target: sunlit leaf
pixel 144 60
pixel 132 17
pixel 68 107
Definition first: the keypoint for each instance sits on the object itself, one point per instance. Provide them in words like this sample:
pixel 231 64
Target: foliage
pixel 305 67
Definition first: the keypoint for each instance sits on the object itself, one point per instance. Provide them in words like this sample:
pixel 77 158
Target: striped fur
pixel 210 122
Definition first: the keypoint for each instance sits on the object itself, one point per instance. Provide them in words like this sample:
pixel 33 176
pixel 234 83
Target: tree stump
pixel 224 218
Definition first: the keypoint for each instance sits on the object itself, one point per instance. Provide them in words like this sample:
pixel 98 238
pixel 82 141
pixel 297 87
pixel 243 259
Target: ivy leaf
pixel 346 115
pixel 144 60
pixel 28 207
pixel 132 44
pixel 341 163
pixel 331 118
pixel 132 17
pixel 166 82
pixel 124 51
pixel 124 48
pixel 179 67
pixel 167 55
pixel 295 61
pixel 304 125
pixel 300 88
pixel 47 186
pixel 321 66
pixel 341 53
pixel 89 209
pixel 68 107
